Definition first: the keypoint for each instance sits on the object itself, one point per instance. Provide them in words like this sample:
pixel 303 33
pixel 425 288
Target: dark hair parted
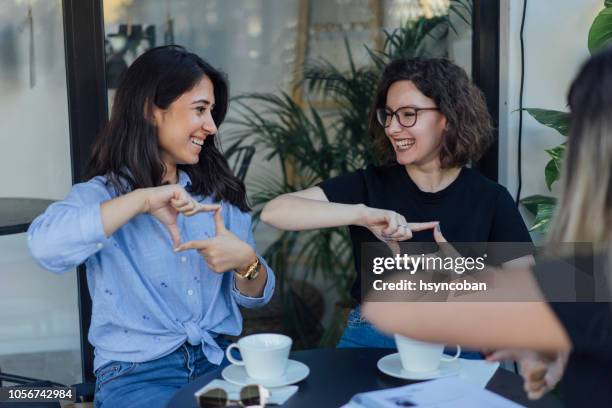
pixel 127 149
pixel 469 132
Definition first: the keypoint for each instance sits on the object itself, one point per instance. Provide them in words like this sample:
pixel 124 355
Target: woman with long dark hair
pixel 429 122
pixel 583 215
pixel 159 188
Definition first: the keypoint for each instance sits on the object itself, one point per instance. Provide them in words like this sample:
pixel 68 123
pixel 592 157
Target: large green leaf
pixel 600 33
pixel 532 202
pixel 608 3
pixel 551 173
pixel 543 218
pixel 553 119
pixel 553 168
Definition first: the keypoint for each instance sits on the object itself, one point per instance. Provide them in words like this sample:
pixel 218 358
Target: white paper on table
pixel 477 372
pixel 278 395
pixel 449 392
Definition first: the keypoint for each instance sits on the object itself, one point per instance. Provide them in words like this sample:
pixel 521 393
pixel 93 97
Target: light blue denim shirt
pixel 147 299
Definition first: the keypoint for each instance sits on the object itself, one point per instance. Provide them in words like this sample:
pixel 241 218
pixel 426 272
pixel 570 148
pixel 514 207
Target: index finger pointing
pixel 422 226
pixel 209 207
pixel 200 244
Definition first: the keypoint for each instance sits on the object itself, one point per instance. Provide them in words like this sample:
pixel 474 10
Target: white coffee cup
pixel 263 355
pixel 419 356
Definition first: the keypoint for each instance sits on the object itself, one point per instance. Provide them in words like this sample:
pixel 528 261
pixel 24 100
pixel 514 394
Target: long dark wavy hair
pixel 469 131
pixel 127 150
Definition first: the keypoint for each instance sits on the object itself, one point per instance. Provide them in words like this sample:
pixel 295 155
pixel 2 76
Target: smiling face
pixel 185 124
pixel 420 144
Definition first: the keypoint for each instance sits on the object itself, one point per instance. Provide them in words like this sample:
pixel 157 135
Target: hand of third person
pixel 540 371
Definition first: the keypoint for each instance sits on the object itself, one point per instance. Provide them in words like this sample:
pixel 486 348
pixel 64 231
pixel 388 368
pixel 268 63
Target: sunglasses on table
pixel 251 396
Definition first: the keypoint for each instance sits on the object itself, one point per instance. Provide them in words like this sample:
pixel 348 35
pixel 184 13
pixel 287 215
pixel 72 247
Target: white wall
pixel 555 38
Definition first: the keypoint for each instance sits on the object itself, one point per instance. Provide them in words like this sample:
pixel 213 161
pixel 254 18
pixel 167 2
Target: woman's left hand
pixel 224 252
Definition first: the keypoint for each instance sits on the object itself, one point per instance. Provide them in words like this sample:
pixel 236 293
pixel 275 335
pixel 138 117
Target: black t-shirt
pixel 471 209
pixel 587 381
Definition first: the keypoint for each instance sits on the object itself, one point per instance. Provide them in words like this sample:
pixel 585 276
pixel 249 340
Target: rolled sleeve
pixel 69 231
pixel 92 229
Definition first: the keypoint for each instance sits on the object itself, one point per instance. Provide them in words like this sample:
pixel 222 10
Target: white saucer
pixel 295 372
pixel 392 365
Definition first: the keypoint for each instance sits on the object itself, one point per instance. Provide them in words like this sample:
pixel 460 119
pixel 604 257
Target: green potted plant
pixel 542 206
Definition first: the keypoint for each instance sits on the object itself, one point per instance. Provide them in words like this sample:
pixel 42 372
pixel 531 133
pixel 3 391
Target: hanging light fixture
pixel 412 10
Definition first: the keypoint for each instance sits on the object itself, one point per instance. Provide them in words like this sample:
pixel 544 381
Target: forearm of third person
pixel 293 213
pixel 118 211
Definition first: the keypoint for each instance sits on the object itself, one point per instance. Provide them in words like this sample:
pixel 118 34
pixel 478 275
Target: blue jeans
pixel 360 333
pixel 151 384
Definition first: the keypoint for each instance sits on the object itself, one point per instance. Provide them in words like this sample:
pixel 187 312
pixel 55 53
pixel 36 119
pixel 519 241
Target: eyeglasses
pixel 406 115
pixel 251 396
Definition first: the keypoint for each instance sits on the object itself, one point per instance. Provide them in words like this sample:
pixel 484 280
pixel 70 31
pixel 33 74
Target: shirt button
pixel 183 259
pixel 99 245
pixel 190 292
pixel 29 237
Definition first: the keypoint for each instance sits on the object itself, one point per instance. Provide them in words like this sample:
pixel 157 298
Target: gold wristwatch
pixel 252 271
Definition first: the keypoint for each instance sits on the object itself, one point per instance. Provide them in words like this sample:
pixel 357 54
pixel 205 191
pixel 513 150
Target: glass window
pixel 39 318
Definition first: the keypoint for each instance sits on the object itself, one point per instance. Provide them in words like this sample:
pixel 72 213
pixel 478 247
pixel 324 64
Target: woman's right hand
pixel 388 225
pixel 541 371
pixel 165 202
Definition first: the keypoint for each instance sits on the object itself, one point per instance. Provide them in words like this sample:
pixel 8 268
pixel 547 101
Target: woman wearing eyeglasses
pixel 428 122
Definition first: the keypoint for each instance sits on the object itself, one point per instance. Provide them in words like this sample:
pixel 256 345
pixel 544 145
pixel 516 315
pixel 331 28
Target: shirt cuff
pixel 92 229
pixel 253 302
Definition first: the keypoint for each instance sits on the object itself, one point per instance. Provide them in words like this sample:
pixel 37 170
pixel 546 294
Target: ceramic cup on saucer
pixel 419 356
pixel 264 355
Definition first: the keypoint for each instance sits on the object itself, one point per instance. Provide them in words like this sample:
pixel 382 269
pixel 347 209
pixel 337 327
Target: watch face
pixel 253 271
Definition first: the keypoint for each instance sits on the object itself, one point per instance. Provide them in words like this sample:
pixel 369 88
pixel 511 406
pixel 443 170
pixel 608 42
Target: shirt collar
pixel 183 179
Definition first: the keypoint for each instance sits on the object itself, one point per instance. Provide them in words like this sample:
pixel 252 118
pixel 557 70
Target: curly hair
pixel 469 132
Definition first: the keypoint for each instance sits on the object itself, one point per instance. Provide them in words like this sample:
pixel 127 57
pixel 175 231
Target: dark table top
pixel 338 374
pixel 16 214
